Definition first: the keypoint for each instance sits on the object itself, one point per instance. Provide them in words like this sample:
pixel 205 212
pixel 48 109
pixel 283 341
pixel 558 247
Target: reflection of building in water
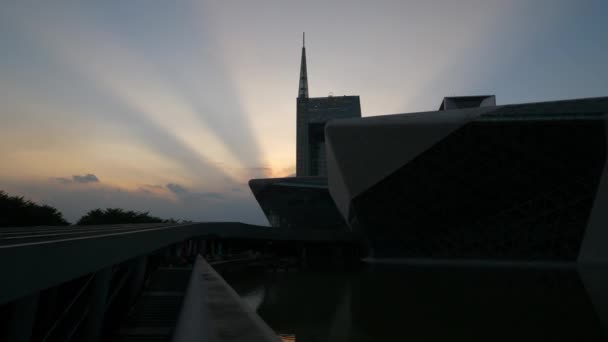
pixel 312 115
pixel 254 298
pixel 413 303
pixel 307 306
pixel 287 337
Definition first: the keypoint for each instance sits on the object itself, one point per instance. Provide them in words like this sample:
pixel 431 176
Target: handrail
pixel 195 321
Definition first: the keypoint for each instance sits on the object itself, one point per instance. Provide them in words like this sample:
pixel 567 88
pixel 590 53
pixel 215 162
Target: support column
pixel 97 304
pixel 178 247
pixel 137 279
pixel 338 256
pixel 190 247
pixel 48 311
pixel 23 318
pixel 303 258
pixel 202 247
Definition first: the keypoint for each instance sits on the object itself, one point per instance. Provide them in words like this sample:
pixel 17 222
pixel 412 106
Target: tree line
pixel 16 211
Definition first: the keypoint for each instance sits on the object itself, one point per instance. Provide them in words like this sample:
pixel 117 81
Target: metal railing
pixel 200 319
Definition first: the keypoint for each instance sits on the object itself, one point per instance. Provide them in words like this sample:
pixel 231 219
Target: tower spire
pixel 303 89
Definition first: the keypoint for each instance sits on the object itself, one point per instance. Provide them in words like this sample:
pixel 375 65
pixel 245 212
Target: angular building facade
pixel 297 203
pixel 513 182
pixel 460 102
pixel 472 180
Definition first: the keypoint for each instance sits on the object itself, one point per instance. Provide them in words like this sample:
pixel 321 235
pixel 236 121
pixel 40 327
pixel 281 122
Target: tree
pixel 119 216
pixel 18 212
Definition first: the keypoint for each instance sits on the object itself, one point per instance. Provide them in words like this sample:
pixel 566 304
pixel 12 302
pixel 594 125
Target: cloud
pixel 155 189
pixel 259 172
pixel 88 178
pixel 177 189
pixel 185 193
pixel 84 179
pixel 152 186
pixel 208 195
pixel 268 172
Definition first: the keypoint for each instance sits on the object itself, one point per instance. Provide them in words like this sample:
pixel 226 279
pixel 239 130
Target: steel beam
pixel 23 318
pixel 97 305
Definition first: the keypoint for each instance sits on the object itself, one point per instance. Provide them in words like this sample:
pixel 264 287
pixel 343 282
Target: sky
pixel 172 106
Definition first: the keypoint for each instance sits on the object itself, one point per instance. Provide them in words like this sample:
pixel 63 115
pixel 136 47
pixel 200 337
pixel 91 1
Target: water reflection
pixel 433 303
pixel 287 337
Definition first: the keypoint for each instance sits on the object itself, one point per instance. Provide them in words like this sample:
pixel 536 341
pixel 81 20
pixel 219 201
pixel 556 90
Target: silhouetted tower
pixel 312 115
pixel 303 90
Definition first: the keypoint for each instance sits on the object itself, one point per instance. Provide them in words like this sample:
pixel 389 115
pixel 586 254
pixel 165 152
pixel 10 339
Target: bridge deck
pixel 20 236
pixel 37 258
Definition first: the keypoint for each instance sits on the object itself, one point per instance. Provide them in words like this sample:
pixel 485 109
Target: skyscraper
pixel 312 115
pixel 304 202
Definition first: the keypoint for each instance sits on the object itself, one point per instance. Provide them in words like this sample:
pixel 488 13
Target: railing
pixel 62 284
pixel 207 294
pixel 64 328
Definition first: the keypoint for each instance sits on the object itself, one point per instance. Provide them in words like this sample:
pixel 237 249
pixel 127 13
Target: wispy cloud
pixel 209 195
pixel 152 189
pixel 84 179
pixel 259 172
pixel 177 189
pixel 188 195
pixel 88 178
pixel 268 172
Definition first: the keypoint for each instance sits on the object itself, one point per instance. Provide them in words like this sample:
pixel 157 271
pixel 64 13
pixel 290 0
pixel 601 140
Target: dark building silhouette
pixel 513 182
pixel 297 203
pixel 312 115
pixel 459 102
pixel 471 180
pixel 304 202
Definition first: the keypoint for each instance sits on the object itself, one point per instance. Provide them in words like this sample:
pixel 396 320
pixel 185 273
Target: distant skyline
pixel 170 107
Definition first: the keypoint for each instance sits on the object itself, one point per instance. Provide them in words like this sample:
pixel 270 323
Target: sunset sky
pixel 171 106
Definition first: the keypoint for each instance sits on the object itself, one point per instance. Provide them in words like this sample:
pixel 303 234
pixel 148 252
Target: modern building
pixel 312 115
pixel 471 180
pixel 460 102
pixel 513 182
pixel 303 202
pixel 297 203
